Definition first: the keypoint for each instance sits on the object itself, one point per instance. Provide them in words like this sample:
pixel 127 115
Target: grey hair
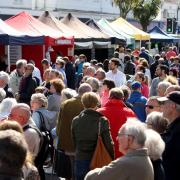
pixel 2 94
pixel 164 85
pixel 91 69
pixel 4 76
pixel 94 83
pixel 41 98
pixel 135 128
pixel 154 144
pixel 7 104
pixel 157 121
pixel 102 72
pixel 84 87
pixel 116 93
pixel 20 63
pixel 67 93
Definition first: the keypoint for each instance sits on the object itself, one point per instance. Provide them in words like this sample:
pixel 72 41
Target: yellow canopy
pixel 128 28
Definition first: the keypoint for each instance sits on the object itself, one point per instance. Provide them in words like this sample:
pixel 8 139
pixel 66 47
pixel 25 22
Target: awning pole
pixel 8 56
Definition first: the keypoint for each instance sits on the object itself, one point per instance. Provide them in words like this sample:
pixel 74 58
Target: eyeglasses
pixel 150 106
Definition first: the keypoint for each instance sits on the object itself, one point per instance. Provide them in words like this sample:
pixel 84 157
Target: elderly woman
pixel 162 86
pixel 39 107
pixel 85 133
pixel 135 164
pixel 157 122
pixel 6 106
pixel 4 80
pixel 155 146
pixel 57 85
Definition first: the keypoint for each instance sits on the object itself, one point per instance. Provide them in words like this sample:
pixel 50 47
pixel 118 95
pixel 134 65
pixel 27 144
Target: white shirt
pixel 37 73
pixel 119 77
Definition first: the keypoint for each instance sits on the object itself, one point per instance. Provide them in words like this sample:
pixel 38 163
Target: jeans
pixel 81 169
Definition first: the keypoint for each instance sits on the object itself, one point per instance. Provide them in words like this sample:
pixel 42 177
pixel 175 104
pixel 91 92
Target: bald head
pixel 20 113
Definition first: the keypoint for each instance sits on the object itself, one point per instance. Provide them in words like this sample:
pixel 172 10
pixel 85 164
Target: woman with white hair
pixel 6 106
pixel 135 164
pixel 39 104
pixel 155 146
pixel 157 122
pixel 4 80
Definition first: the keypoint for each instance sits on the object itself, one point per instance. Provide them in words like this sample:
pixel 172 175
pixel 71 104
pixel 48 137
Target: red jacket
pixel 117 114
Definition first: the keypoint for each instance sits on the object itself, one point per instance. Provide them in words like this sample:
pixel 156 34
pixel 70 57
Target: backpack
pixel 46 143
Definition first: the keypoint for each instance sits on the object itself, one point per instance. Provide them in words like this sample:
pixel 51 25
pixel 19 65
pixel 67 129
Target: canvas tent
pixel 115 37
pixel 31 26
pixel 109 28
pixel 93 36
pixel 128 28
pixel 159 35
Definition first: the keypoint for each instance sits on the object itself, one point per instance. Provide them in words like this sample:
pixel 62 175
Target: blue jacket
pixel 138 101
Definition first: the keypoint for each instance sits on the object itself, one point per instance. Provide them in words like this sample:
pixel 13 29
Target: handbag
pixel 62 164
pixel 101 156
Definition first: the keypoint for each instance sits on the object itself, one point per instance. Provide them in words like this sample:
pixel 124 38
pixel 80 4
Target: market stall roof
pixel 50 20
pixel 115 37
pixel 31 26
pixel 128 28
pixel 158 34
pixel 85 31
pixel 108 27
pixel 10 36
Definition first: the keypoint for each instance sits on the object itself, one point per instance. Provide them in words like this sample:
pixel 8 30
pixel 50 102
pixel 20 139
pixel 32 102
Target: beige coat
pixel 135 165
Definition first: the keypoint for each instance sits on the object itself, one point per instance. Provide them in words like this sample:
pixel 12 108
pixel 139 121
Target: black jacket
pixel 171 155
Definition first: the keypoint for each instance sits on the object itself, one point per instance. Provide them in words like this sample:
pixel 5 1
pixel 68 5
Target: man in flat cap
pixel 170 106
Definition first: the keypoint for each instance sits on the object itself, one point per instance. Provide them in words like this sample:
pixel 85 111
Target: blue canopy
pixel 157 34
pixel 10 36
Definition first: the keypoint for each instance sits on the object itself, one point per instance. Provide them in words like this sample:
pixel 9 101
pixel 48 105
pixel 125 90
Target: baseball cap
pixel 135 85
pixel 172 96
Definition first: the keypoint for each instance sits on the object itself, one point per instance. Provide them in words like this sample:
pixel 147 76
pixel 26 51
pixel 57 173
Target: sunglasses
pixel 151 107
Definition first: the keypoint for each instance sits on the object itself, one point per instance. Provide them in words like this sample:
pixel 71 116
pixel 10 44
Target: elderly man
pixel 135 164
pixel 16 75
pixel 152 105
pixel 4 79
pixel 22 113
pixel 171 156
pixel 27 86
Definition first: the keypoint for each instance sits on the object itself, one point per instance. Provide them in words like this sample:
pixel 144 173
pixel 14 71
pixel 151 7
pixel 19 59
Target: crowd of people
pixel 131 100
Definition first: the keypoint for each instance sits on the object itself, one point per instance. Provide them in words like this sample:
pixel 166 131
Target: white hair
pixel 4 76
pixel 135 128
pixel 2 94
pixel 154 144
pixel 84 87
pixel 94 83
pixel 67 93
pixel 40 98
pixel 164 85
pixel 7 104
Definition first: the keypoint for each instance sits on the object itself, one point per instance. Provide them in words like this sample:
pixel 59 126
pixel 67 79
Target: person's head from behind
pixel 162 86
pixel 83 88
pixel 136 86
pixel 108 84
pixel 154 144
pixel 116 93
pixel 67 93
pixel 13 152
pixel 55 74
pixel 172 88
pixel 21 113
pixel 157 122
pixel 140 68
pixel 100 74
pixel 90 100
pixel 153 104
pixel 131 136
pixel 126 92
pixel 94 83
pixel 90 71
pixel 57 85
pixel 38 100
pixel 13 125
